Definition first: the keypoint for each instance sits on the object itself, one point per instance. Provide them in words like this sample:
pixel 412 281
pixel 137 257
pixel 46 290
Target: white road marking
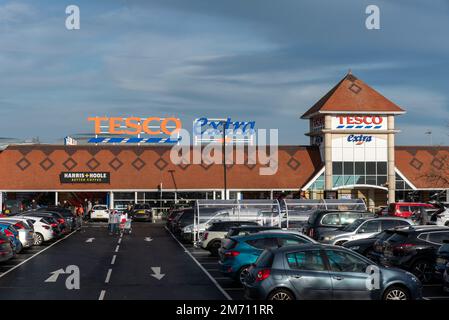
pixel 15 267
pixel 116 248
pixel 108 276
pixel 119 240
pixel 201 267
pixel 113 259
pixel 102 293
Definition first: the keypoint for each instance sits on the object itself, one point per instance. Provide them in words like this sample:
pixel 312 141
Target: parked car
pixel 366 246
pixel 446 279
pixel 414 249
pixel 71 218
pixel 43 230
pixel 442 260
pixel 62 224
pixel 238 253
pixel 325 220
pixel 325 272
pixel 360 229
pixel 247 230
pixel 99 212
pixel 142 212
pixel 6 248
pixel 25 232
pixel 406 209
pixel 441 215
pixel 8 230
pixel 211 238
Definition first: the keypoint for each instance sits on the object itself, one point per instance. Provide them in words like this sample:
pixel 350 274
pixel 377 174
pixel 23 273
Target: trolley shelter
pixel 264 212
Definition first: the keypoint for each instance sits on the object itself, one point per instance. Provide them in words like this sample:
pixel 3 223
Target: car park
pixel 6 248
pixel 360 229
pixel 211 238
pixel 325 221
pixel 317 271
pixel 414 249
pixel 141 212
pixel 8 230
pixel 25 232
pixel 238 253
pixel 407 209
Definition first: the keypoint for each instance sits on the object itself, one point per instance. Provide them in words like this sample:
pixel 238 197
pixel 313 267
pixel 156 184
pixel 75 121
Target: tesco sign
pixel 359 122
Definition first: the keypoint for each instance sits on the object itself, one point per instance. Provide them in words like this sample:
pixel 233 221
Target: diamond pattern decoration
pixel 93 164
pixel 205 165
pixel 138 164
pixel 437 163
pixel 115 163
pixel 293 164
pixel 161 164
pixel 250 166
pixel 23 164
pixel 184 166
pixel 415 163
pixel 69 164
pixel 46 164
pixel 355 88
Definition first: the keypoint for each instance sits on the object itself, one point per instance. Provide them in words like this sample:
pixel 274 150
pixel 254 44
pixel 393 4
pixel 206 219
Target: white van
pixel 99 212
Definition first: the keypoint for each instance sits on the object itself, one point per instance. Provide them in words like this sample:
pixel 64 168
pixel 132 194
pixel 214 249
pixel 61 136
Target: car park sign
pixel 359 122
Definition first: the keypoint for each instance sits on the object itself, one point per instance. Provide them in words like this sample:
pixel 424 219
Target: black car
pixel 141 212
pixel 442 261
pixel 415 249
pixel 71 219
pixel 324 220
pixel 366 246
pixel 247 230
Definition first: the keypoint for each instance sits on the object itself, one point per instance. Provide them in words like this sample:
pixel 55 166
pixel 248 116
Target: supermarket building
pixel 352 154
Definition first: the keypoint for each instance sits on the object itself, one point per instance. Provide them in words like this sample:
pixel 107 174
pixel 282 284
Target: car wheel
pixel 243 272
pixel 423 270
pixel 38 239
pixel 214 247
pixel 281 294
pixel 396 293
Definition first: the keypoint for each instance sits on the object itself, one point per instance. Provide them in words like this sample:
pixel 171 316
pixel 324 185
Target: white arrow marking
pixel 54 275
pixel 149 239
pixel 90 240
pixel 157 273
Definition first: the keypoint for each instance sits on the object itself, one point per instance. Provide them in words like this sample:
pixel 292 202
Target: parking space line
pixel 228 297
pixel 116 248
pixel 34 255
pixel 108 276
pixel 113 259
pixel 119 240
pixel 102 293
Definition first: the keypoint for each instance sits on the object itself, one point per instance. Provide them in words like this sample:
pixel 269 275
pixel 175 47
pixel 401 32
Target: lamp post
pixel 224 162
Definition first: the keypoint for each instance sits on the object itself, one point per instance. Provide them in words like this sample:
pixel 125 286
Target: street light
pixel 429 132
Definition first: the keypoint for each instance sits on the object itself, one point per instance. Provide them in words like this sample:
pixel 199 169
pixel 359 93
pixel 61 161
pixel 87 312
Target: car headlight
pixel 328 238
pixel 187 229
pixel 354 247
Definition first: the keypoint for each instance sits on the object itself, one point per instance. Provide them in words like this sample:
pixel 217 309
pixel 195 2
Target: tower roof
pixel 354 96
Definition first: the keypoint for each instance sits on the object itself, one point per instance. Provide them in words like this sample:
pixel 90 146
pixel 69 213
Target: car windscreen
pixel 398 237
pixel 100 208
pixel 353 226
pixel 141 207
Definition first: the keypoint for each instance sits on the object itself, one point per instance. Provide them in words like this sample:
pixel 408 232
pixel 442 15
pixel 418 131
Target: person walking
pixel 114 220
pixel 420 216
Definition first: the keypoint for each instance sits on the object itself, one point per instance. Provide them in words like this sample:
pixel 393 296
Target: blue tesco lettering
pixel 359 139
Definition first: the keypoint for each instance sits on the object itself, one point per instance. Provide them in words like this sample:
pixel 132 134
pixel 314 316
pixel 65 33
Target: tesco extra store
pixel 352 154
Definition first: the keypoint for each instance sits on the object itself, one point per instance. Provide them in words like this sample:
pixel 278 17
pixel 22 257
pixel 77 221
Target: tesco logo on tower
pixel 359 122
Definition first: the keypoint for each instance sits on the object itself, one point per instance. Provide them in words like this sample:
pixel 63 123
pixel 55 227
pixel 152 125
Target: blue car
pixel 9 231
pixel 237 254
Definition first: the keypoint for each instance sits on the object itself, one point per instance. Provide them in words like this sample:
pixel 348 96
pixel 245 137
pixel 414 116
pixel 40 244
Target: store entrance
pixel 73 199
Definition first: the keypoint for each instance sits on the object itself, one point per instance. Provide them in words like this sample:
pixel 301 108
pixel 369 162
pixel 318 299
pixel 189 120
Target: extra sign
pixel 364 122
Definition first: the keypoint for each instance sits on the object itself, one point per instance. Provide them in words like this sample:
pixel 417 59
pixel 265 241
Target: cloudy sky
pixel 260 60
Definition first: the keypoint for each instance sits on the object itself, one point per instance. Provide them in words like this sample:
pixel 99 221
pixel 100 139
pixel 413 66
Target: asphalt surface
pixel 127 276
pixel 124 267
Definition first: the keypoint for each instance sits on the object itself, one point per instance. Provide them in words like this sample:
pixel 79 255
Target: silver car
pixel 26 232
pixel 361 229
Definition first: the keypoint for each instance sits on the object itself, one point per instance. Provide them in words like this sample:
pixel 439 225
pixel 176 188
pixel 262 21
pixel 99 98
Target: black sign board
pixel 84 177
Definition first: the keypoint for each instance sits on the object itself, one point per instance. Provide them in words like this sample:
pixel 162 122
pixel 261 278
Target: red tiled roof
pixel 424 167
pixel 352 95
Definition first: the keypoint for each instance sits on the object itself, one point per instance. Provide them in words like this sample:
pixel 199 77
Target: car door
pixel 348 276
pixel 308 274
pixel 367 229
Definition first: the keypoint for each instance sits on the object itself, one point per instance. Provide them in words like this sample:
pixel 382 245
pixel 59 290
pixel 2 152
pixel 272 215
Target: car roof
pixel 383 218
pixel 253 223
pixel 410 229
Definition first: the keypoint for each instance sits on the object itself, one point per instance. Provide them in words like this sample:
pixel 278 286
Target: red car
pixel 406 209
